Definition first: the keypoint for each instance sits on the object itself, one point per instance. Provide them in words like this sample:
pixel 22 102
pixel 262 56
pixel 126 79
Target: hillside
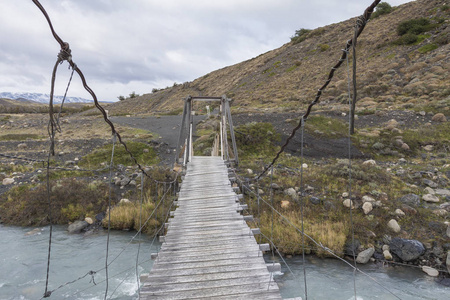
pixel 287 78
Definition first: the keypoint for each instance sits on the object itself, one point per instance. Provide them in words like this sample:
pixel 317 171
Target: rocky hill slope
pixel 390 74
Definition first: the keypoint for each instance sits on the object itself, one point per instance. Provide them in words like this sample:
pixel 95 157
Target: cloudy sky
pixel 137 45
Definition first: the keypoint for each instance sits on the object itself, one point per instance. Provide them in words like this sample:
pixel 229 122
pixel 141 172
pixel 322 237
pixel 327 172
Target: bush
pixel 407 39
pixel 382 9
pixel 415 26
pixel 256 137
pixel 427 48
pixel 300 35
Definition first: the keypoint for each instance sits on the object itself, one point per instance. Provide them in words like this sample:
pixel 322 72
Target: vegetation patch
pixel 410 30
pixel 427 48
pixel 20 137
pixel 145 154
pixel 71 200
pixel 300 35
pixel 256 138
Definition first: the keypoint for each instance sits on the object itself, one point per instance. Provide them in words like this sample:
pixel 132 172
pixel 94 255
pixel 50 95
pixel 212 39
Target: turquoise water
pixel 23 266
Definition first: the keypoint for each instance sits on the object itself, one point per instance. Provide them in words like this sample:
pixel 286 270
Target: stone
pixel 364 256
pixel 125 181
pixel 378 146
pixel 387 255
pixel 370 162
pixel 309 189
pixel 430 271
pixel 428 190
pixel 145 150
pixel 422 113
pixel 402 161
pixel 89 220
pixel 351 248
pixel 428 148
pixel 410 199
pixel 315 200
pixel 393 225
pixel 442 192
pixel 285 204
pixel 7 181
pixel 439 117
pixel 405 147
pixel 399 212
pixel 249 171
pixel 347 203
pixel 305 166
pixel 430 198
pixel 406 250
pixel 124 201
pixel 430 183
pixel 367 207
pixel 344 195
pixel 34 232
pixel 440 212
pixel 275 186
pixel 22 146
pixel 77 226
pixel 291 193
pixel 385 247
pixel 69 163
pixel 367 199
pixel 448 261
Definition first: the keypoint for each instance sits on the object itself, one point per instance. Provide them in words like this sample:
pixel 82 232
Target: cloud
pixel 125 46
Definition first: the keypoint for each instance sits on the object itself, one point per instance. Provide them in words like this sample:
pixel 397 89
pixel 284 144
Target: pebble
pixel 399 212
pixel 430 271
pixel 347 203
pixel 428 148
pixel 428 190
pixel 387 255
pixel 393 225
pixel 370 162
pixel 367 199
pixel 8 181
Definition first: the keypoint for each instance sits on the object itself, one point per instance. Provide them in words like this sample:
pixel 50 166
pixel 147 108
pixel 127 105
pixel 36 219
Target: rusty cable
pixel 65 54
pixel 364 18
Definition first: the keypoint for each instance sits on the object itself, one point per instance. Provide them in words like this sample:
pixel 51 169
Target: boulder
pixel 7 181
pixel 430 271
pixel 315 200
pixel 370 162
pixel 367 199
pixel 393 225
pixel 249 171
pixel 428 190
pixel 410 199
pixel 399 212
pixel 367 207
pixel 364 256
pixel 89 220
pixel 77 226
pixel 348 203
pixel 405 147
pixel 428 148
pixel 291 193
pixel 429 183
pixel 406 250
pixel 350 248
pixel 430 198
pixel 124 201
pixel 448 261
pixel 439 117
pixel 442 192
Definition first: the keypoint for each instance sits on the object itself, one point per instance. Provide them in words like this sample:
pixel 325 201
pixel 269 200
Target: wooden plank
pixel 209 252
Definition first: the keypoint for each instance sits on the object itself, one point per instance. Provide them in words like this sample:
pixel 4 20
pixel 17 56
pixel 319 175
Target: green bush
pixel 407 39
pixel 382 9
pixel 254 137
pixel 300 35
pixel 415 26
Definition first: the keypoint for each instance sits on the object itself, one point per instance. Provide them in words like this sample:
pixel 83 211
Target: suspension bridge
pixel 209 251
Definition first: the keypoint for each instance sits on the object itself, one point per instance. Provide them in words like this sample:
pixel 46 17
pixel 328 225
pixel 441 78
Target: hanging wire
pixel 109 214
pixel 140 225
pixel 302 205
pixel 48 293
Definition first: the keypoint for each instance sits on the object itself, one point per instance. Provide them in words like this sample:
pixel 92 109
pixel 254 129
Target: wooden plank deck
pixel 209 252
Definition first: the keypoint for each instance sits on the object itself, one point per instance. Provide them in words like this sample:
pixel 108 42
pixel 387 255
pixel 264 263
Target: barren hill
pixel 390 75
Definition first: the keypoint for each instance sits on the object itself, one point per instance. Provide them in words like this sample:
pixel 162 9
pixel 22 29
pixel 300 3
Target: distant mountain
pixel 42 98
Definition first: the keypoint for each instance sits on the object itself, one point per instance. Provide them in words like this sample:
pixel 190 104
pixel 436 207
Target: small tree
pixel 382 9
pixel 121 98
pixel 134 95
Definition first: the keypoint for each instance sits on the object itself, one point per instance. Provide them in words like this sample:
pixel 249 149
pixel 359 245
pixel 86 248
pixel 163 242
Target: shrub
pixel 415 26
pixel 324 47
pixel 382 9
pixel 256 137
pixel 300 35
pixel 407 39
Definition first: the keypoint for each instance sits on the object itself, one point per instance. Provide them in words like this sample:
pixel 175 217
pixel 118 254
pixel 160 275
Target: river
pixel 23 266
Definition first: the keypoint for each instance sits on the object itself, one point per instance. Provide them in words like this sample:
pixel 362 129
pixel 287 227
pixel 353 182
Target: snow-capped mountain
pixel 42 98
